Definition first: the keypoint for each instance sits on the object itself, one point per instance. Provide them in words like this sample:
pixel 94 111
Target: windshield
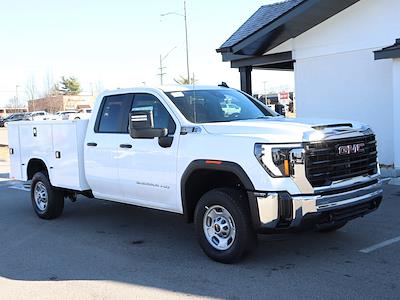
pixel 224 105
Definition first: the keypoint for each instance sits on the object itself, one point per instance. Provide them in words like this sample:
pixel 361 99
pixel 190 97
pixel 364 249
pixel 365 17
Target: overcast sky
pixel 118 43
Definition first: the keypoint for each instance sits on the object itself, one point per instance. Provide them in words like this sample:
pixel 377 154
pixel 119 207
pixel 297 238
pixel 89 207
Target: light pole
pixel 184 15
pixel 161 64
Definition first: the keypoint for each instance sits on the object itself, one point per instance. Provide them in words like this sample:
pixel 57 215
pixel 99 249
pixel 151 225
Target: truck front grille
pixel 325 165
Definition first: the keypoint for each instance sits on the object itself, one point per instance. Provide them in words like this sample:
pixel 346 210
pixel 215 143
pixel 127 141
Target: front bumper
pixel 279 211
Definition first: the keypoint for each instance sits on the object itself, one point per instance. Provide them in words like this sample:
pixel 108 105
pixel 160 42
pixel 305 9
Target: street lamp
pixel 186 36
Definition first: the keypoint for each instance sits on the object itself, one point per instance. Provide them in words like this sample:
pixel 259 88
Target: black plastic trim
pixel 225 166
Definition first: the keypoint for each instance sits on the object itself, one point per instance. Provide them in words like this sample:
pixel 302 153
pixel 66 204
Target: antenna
pixel 194 99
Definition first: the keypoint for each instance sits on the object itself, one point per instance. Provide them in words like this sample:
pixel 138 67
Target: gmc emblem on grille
pixel 351 149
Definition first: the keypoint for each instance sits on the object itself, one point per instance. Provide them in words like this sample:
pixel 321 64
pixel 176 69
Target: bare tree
pixel 51 88
pixel 30 89
pixel 99 87
pixel 12 102
pixel 49 82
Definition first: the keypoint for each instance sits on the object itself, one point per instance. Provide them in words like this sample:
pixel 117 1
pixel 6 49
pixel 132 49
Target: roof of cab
pixel 164 88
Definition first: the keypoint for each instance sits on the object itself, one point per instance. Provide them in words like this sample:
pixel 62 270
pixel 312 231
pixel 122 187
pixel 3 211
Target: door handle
pixel 126 146
pixel 92 144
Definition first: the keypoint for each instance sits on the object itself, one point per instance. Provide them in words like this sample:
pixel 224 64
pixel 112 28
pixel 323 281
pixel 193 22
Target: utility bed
pixel 58 143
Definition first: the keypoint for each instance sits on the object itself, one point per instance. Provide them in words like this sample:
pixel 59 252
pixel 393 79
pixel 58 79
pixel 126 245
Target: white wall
pixel 349 86
pixel 368 24
pixel 396 112
pixel 336 75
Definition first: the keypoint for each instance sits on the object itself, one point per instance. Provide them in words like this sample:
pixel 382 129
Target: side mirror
pixel 141 125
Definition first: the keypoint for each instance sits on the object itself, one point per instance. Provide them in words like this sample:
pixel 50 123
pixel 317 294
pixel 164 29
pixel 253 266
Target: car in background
pixel 14 118
pixel 83 113
pixel 63 115
pixel 38 116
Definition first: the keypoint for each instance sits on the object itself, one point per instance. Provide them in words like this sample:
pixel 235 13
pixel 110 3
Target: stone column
pixel 245 79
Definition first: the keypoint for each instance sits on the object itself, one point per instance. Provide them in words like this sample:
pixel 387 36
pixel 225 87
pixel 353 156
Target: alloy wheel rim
pixel 41 196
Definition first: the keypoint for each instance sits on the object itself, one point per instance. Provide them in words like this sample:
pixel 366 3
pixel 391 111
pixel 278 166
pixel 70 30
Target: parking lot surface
pixel 100 249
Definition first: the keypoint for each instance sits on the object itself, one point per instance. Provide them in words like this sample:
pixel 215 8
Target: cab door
pixel 147 170
pixel 102 147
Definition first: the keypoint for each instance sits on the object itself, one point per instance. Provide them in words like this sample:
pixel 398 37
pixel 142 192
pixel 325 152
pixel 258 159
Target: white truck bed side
pixel 59 144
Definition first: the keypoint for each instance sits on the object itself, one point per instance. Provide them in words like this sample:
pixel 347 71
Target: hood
pixel 283 130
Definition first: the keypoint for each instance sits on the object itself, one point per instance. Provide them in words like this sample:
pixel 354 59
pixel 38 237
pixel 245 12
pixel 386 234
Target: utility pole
pixel 161 64
pixel 187 44
pixel 265 87
pixel 161 70
pixel 184 15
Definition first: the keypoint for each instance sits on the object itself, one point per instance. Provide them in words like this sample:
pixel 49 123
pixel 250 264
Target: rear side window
pixel 113 111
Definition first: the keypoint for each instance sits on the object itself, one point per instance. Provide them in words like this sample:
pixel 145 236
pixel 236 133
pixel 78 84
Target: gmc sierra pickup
pixel 214 154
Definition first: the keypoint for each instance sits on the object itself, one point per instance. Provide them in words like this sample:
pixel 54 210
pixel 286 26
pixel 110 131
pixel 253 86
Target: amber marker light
pixel 286 167
pixel 213 162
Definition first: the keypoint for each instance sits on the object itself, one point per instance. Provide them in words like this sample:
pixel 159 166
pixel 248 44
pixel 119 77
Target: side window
pixel 162 118
pixel 113 113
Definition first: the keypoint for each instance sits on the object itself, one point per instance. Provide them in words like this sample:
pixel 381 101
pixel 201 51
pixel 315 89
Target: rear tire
pixel 223 225
pixel 330 227
pixel 47 201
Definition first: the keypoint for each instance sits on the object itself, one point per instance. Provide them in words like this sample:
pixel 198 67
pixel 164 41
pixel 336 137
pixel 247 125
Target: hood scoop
pixel 322 127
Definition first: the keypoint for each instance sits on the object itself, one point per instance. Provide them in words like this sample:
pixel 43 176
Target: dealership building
pixel 345 55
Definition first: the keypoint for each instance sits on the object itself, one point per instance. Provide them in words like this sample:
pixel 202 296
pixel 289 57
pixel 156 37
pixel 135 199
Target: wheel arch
pixel 36 165
pixel 203 175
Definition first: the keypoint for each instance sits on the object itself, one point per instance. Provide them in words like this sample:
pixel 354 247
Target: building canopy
pixel 270 26
pixel 389 52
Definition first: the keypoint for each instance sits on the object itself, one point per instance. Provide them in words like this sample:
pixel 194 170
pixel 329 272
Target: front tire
pixel 47 201
pixel 223 225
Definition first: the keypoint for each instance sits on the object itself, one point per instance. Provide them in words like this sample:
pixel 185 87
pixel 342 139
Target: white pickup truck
pixel 235 173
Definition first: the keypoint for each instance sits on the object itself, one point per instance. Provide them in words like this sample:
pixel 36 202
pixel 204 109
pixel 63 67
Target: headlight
pixel 275 159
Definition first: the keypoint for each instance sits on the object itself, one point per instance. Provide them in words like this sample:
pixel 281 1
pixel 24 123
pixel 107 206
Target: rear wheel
pixel 324 228
pixel 223 226
pixel 47 201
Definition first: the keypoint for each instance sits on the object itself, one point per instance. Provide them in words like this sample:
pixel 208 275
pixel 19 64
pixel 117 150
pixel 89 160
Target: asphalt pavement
pixel 100 249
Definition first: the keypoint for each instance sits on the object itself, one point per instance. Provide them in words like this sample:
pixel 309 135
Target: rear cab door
pixel 103 137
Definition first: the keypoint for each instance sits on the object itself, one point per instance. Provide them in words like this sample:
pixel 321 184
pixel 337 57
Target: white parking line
pixel 20 187
pixel 381 245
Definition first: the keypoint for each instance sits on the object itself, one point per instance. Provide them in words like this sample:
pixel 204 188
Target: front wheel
pixel 47 201
pixel 223 225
